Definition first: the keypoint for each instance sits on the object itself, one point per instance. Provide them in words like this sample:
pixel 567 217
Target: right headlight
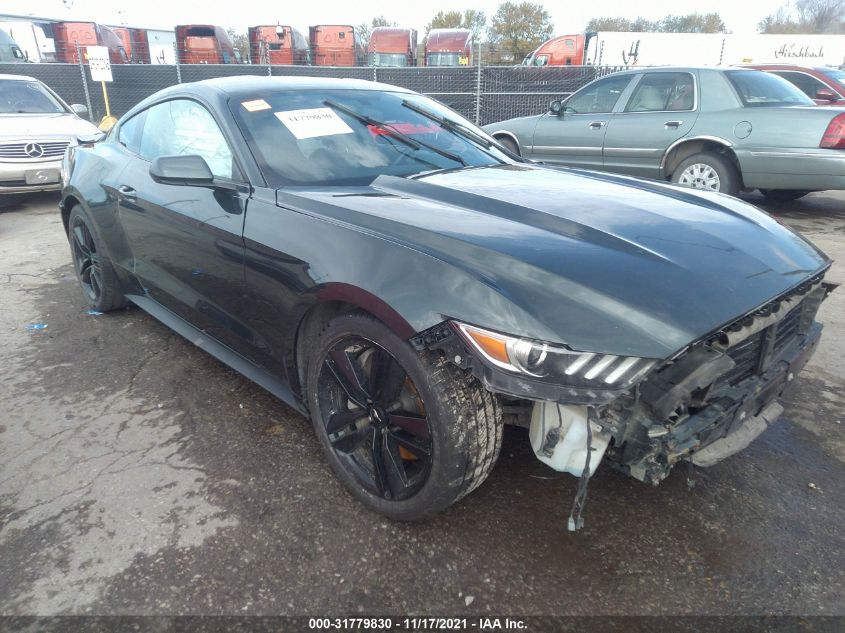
pixel 555 363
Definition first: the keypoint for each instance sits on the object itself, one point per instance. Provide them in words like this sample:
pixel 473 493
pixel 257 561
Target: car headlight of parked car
pixel 553 363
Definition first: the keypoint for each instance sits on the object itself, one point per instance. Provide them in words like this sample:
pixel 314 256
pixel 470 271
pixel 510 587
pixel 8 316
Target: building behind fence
pixel 484 94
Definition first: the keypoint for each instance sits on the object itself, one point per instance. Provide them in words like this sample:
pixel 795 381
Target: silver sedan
pixel 709 128
pixel 36 127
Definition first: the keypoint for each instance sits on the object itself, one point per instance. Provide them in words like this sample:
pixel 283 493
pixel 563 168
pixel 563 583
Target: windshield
pixel 318 137
pixel 388 59
pixel 447 59
pixel 837 75
pixel 27 97
pixel 757 89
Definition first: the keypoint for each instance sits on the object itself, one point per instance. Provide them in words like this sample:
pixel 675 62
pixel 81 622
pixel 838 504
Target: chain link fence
pixel 484 94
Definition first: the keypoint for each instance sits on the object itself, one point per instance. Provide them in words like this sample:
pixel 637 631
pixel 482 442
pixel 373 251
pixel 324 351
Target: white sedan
pixel 36 127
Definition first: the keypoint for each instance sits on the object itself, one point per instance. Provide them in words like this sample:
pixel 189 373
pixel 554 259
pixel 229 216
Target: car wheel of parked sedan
pixel 783 195
pixel 94 269
pixel 509 144
pixel 709 171
pixel 407 432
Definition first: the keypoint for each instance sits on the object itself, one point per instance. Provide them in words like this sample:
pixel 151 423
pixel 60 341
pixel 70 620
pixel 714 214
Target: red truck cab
pixel 68 34
pixel 134 43
pixel 390 46
pixel 448 47
pixel 278 45
pixel 563 50
pixel 335 45
pixel 204 44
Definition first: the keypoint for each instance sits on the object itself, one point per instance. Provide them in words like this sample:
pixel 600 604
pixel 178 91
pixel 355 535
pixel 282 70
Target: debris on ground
pixel 36 326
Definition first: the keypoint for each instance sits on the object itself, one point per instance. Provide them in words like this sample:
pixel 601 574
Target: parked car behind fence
pixel 709 128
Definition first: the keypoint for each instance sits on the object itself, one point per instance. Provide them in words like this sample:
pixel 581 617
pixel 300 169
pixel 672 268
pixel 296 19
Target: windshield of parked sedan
pixel 318 137
pixel 26 97
pixel 760 90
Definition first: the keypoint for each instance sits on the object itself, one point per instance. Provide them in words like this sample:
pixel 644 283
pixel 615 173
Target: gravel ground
pixel 140 476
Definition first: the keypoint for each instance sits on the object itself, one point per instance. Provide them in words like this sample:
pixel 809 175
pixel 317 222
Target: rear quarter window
pixel 757 89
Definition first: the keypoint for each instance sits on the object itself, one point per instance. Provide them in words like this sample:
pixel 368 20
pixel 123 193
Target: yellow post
pixel 106 99
pixel 108 121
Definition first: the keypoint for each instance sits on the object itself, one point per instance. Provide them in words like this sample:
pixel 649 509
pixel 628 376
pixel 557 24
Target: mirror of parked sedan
pixel 181 170
pixel 825 94
pixel 79 109
pixel 555 107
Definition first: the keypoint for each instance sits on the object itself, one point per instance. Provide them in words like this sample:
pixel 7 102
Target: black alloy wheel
pixel 86 259
pixel 374 418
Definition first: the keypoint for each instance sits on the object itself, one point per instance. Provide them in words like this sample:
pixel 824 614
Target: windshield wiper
pixel 393 132
pixel 457 128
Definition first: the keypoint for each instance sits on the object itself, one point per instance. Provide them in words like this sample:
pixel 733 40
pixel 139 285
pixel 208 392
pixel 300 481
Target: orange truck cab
pixel 134 43
pixel 334 45
pixel 67 34
pixel 564 50
pixel 204 44
pixel 277 44
pixel 390 46
pixel 448 47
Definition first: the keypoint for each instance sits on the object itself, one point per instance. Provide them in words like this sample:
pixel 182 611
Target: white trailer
pixel 162 46
pixel 807 50
pixel 631 49
pixel 36 44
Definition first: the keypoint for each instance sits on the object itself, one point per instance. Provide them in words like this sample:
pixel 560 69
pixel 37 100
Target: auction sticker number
pixel 313 122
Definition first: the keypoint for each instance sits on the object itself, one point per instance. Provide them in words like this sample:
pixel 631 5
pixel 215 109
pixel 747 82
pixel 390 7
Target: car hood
pixel 36 126
pixel 600 262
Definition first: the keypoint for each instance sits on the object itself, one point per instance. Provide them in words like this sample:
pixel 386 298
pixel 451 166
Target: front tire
pixel 783 195
pixel 710 172
pixel 406 432
pixel 93 267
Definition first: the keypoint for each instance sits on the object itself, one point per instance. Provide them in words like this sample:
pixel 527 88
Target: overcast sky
pixel 741 16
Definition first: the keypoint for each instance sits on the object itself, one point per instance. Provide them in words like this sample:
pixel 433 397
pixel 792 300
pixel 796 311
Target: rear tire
pixel 783 195
pixel 436 430
pixel 509 144
pixel 710 172
pixel 93 267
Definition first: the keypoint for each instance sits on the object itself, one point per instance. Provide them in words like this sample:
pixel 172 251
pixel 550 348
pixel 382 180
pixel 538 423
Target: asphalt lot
pixel 140 476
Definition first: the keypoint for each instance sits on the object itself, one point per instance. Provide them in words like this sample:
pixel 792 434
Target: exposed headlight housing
pixel 555 364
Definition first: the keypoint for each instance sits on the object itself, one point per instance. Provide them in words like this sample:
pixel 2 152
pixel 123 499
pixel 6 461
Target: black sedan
pixel 385 267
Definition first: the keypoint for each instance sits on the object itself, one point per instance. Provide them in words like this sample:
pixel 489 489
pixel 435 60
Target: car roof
pixel 221 90
pixel 18 77
pixel 249 84
pixel 672 69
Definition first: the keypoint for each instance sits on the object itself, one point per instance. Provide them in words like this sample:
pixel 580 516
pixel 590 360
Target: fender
pixel 337 291
pixel 510 135
pixel 688 139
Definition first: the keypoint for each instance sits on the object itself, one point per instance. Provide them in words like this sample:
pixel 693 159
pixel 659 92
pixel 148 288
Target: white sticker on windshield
pixel 256 105
pixel 313 122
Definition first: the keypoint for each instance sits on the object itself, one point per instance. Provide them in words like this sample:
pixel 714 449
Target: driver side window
pixel 182 126
pixel 599 97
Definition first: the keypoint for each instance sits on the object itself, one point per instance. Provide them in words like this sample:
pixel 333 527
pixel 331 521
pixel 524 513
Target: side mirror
pixel 826 94
pixel 556 107
pixel 79 110
pixel 188 170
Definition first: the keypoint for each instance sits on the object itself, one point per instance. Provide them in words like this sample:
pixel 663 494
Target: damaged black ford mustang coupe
pixel 385 267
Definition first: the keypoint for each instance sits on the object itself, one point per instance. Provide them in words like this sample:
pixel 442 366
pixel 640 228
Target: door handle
pixel 126 192
pixel 597 124
pixel 673 123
